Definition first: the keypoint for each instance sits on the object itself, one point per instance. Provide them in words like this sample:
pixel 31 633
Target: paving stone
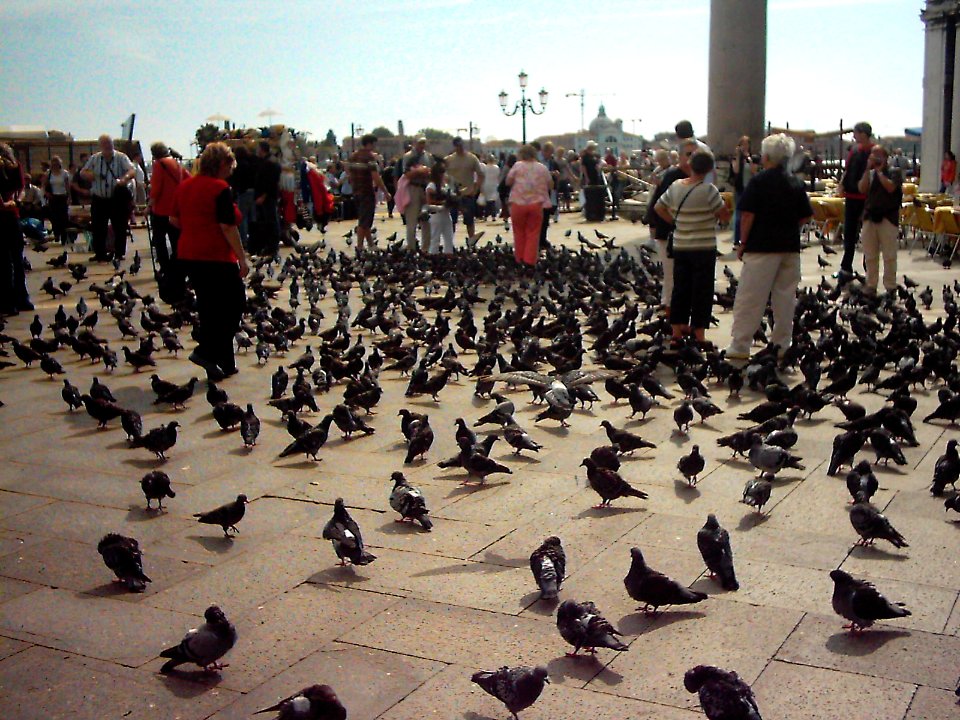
pixel 484 586
pixel 679 639
pixel 41 682
pixel 126 633
pixel 932 704
pixel 883 652
pixel 9 646
pixel 280 633
pixel 451 694
pixel 796 692
pixel 367 681
pixel 14 503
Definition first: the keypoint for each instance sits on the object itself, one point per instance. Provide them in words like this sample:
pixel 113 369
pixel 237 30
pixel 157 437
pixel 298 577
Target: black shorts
pixel 366 204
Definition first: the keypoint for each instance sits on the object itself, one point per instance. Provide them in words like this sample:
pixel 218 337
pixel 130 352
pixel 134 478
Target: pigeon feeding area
pixel 444 488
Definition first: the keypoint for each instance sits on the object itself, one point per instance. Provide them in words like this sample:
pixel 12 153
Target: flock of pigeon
pixel 582 319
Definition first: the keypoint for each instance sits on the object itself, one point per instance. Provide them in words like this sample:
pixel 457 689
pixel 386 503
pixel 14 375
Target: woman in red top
pixel 211 255
pixel 948 171
pixel 165 178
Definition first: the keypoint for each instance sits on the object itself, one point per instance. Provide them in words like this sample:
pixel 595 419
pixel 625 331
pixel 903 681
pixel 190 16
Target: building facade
pixel 941 89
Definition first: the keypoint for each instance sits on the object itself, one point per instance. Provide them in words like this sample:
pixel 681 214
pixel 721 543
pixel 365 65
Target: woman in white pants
pixel 773 207
pixel 441 222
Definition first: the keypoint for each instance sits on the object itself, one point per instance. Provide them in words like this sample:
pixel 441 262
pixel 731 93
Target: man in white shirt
pixel 110 198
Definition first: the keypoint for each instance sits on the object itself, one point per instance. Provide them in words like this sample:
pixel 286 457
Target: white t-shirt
pixel 491 179
pixel 59 184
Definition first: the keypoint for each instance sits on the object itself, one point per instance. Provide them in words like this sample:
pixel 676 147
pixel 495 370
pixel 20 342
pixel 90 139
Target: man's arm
pixel 378 181
pixel 746 224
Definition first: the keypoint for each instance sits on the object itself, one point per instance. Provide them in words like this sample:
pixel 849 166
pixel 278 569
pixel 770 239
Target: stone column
pixel 738 73
pixel 933 66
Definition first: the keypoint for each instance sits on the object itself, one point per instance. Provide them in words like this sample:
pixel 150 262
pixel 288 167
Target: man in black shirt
pixel 883 188
pixel 266 227
pixel 773 208
pixel 660 228
pixel 243 181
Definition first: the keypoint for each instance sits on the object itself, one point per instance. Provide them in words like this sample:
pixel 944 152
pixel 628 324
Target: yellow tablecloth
pixel 946 220
pixel 833 207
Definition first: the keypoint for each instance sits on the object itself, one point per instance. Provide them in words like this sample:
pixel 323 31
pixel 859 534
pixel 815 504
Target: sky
pixel 84 66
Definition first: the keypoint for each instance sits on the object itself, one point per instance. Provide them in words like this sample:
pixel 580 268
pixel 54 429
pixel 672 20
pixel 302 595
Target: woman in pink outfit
pixel 530 184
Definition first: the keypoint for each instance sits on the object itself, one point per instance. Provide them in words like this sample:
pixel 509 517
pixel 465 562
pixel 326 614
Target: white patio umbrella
pixel 268 114
pixel 218 118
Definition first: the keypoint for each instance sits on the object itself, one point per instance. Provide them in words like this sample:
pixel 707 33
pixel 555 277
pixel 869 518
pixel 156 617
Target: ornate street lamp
pixel 523 104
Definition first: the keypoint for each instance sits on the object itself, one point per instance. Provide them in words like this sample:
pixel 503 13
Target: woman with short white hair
pixel 773 208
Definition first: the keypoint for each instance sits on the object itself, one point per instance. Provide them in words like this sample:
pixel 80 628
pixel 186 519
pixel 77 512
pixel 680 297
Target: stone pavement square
pixel 399 638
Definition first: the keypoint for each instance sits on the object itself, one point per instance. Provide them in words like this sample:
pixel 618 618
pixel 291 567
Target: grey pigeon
pixel 408 500
pixel 606 456
pixel 479 465
pixel 714 544
pixel 71 395
pixel 519 439
pixel 204 645
pixel 156 486
pixel 249 427
pixel 548 563
pixel 654 589
pixel 310 440
pixel 345 535
pixel 845 448
pixel 518 688
pixel 723 695
pixel 691 465
pixel 862 480
pixel 582 625
pixel 316 702
pixel 228 415
pixel 132 424
pixel 122 555
pixel 859 602
pixel 608 484
pixel 886 447
pixel 770 458
pixel 226 516
pixel 871 525
pixel 624 439
pixel 159 440
pixel 683 416
pixel 756 493
pixel 945 472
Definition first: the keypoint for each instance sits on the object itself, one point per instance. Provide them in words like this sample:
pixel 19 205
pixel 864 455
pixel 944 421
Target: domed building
pixel 609 134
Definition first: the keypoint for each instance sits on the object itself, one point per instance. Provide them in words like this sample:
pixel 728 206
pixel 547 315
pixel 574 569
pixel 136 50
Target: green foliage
pixel 382 132
pixel 207 134
pixel 330 139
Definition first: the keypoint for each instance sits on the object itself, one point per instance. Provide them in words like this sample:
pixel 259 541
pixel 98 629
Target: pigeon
pixel 705 408
pixel 226 516
pixel 501 414
pixel 624 439
pixel 50 366
pixel 518 688
pixel 945 472
pixel 655 589
pixel 278 383
pixel 156 486
pixel 249 427
pixel 311 440
pixel 871 525
pixel 479 465
pixel 683 416
pixel 344 533
pixel 606 456
pixel 714 545
pixel 548 563
pixel 137 359
pixel 756 493
pixel 228 415
pixel 640 401
pixel 103 411
pixel 861 603
pixel 204 645
pixel 770 458
pixel 690 466
pixel 845 449
pixel 421 439
pixel 24 353
pixel 178 395
pixel 723 695
pixel 608 484
pixel 122 555
pixel 886 447
pixel 317 702
pixel 100 391
pixel 408 500
pixel 216 395
pixel 520 439
pixel 862 480
pixel 408 422
pixel 350 423
pixel 582 625
pixel 159 440
pixel 71 395
pixel 132 424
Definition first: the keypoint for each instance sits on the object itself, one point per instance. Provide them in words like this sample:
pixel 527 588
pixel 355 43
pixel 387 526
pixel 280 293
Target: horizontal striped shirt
pixel 696 223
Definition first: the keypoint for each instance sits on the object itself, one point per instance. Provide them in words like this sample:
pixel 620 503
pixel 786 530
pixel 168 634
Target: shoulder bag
pixel 675 216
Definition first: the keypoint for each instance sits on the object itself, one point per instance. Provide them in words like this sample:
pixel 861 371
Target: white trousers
pixel 667 292
pixel 765 275
pixel 880 239
pixel 441 226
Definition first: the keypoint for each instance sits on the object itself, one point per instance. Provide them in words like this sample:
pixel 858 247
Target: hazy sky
pixel 84 66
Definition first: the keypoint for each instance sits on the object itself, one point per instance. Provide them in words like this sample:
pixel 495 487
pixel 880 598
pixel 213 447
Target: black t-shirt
pixel 778 202
pixel 883 205
pixel 268 179
pixel 244 174
pixel 589 163
pixel 661 227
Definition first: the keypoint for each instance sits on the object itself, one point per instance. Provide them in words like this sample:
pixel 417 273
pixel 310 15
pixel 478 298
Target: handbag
pixel 675 216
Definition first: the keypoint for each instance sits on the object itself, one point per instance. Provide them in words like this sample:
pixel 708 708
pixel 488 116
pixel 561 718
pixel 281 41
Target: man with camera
pixel 849 190
pixel 883 189
pixel 111 198
pixel 416 164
